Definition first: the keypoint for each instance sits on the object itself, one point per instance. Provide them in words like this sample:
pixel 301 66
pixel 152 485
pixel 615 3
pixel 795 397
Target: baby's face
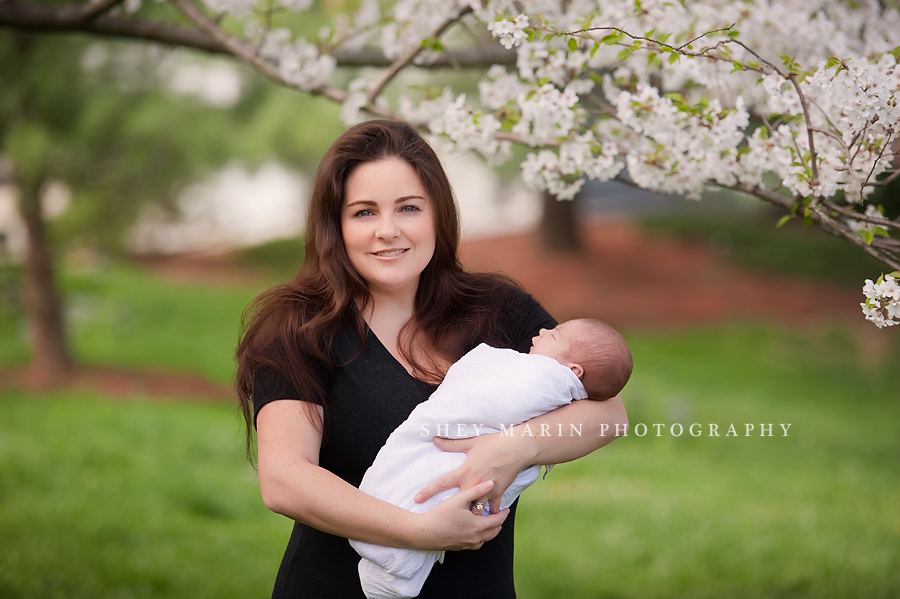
pixel 555 343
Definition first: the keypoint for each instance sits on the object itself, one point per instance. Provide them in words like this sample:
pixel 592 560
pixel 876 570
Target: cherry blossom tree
pixel 794 102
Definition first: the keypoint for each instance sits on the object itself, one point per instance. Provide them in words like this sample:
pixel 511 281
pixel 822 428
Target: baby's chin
pixel 531 351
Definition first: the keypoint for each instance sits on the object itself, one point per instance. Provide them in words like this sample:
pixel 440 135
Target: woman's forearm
pixel 293 484
pixel 314 496
pixel 572 431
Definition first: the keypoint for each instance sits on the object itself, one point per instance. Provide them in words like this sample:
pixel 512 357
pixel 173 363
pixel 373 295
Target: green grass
pixel 752 240
pixel 129 499
pixel 140 498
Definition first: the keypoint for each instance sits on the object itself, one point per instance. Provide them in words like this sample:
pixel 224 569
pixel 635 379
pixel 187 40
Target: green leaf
pixel 650 33
pixel 737 66
pixel 733 34
pixel 612 38
pixel 672 58
pixel 783 220
pixel 806 221
pixel 573 44
pixel 594 49
pixel 881 231
pixel 868 236
pixel 650 58
pixel 895 274
pixel 624 54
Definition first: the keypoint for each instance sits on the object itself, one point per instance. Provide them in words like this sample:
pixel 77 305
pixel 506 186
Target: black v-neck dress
pixel 370 396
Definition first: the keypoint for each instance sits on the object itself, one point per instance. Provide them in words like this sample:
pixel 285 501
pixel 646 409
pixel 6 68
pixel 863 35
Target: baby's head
pixel 596 353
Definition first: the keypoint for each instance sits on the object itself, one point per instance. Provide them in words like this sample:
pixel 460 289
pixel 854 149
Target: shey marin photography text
pixel 696 429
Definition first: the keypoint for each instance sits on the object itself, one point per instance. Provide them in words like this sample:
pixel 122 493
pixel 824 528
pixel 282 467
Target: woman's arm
pixel 552 438
pixel 292 483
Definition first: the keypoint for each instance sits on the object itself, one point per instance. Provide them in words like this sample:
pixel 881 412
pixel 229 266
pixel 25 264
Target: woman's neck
pixel 386 317
pixel 389 310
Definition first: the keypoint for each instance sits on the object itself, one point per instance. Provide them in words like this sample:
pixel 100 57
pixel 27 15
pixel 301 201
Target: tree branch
pixel 407 58
pixel 859 216
pixel 475 57
pixel 95 18
pixel 42 18
pixel 239 50
pixel 886 181
pixel 813 157
pixel 97 7
pixel 772 197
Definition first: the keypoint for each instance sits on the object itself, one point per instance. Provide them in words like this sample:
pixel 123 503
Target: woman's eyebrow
pixel 374 203
pixel 360 202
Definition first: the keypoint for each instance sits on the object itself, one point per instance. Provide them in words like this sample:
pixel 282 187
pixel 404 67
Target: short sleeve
pixel 523 319
pixel 270 385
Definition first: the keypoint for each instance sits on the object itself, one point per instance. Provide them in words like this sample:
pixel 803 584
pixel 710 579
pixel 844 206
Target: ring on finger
pixel 479 505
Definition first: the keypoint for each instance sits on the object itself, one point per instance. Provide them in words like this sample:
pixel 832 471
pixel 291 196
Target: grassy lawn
pixel 130 499
pixel 140 498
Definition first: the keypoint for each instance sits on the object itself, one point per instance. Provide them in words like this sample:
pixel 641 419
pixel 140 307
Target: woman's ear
pixel 577 369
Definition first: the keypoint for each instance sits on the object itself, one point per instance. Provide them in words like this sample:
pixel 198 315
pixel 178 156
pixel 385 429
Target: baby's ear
pixel 577 369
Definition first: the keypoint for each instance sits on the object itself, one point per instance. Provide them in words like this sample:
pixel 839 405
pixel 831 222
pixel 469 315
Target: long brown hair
pixel 289 328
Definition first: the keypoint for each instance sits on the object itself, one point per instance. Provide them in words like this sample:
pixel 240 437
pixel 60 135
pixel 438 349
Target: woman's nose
pixel 387 229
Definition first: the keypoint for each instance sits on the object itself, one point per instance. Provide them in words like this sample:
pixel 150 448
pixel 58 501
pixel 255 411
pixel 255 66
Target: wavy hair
pixel 289 328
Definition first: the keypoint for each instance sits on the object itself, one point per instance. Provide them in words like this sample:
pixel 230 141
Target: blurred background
pixel 157 192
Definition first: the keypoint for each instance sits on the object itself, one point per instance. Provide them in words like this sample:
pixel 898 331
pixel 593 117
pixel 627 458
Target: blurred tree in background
pixel 97 118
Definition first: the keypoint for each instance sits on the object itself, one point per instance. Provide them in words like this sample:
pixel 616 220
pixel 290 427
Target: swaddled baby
pixel 488 390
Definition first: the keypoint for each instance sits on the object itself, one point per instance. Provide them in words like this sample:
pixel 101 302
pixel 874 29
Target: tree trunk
pixel 51 362
pixel 558 230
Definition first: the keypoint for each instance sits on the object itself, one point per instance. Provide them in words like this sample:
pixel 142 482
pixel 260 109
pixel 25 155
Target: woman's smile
pixel 389 253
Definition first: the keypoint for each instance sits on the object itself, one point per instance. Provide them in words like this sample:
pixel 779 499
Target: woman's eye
pixel 363 213
pixel 409 208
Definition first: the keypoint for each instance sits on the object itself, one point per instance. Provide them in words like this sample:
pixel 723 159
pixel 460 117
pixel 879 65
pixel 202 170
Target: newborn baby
pixel 488 390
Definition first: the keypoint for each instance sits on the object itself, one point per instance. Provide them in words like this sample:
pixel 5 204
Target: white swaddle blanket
pixel 488 390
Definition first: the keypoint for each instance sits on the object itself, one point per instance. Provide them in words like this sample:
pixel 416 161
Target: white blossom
pixel 882 305
pixel 681 143
pixel 299 62
pixel 239 8
pixel 510 32
pixel 547 115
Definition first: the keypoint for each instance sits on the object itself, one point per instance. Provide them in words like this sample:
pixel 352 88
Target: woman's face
pixel 387 223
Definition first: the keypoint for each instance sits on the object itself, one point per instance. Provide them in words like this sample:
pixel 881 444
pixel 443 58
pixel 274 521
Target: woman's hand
pixel 450 525
pixel 493 457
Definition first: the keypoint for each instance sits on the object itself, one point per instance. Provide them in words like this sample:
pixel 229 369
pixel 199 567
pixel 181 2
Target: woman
pixel 331 362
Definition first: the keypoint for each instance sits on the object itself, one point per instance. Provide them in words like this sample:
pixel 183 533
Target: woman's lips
pixel 389 253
